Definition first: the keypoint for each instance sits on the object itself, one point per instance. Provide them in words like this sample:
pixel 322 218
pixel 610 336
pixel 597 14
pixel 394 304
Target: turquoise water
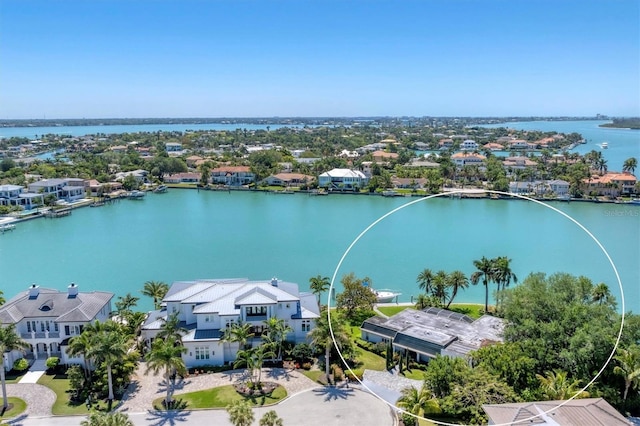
pixel 186 234
pixel 623 143
pixel 33 132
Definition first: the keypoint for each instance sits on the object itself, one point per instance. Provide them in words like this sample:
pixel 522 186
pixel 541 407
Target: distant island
pixel 624 123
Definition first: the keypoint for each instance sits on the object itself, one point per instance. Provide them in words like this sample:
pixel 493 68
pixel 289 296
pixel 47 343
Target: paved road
pixel 322 406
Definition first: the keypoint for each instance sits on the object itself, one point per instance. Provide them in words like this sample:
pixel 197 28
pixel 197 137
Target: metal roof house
pixel 47 318
pixel 206 308
pixel 588 411
pixel 433 331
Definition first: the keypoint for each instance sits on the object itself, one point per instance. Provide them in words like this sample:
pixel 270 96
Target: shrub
pixel 52 362
pixel 338 373
pixel 306 366
pixel 21 364
pixel 302 352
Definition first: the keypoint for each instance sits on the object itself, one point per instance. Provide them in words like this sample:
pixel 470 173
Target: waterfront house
pixel 610 184
pixel 431 332
pixel 469 145
pixel 343 179
pixel 14 195
pixel 140 176
pixel 445 144
pixel 187 177
pixel 47 318
pixel 462 159
pixel 518 163
pixel 98 189
pixel 233 175
pixel 558 186
pixel 492 146
pixel 289 179
pixel 587 411
pixel 206 308
pixel 60 188
pixel 521 144
pixel 173 147
pixel 408 183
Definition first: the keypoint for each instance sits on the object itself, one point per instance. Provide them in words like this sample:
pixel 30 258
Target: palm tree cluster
pixel 9 341
pixel 156 290
pixel 105 345
pixel 441 288
pixel 497 270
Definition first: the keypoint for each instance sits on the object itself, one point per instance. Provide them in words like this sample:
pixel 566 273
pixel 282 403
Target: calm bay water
pixel 623 143
pixel 33 132
pixel 186 234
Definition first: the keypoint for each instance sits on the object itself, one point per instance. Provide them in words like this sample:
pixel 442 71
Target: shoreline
pixel 473 193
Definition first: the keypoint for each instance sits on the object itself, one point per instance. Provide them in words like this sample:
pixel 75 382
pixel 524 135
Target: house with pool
pixel 433 331
pixel 47 318
pixel 206 308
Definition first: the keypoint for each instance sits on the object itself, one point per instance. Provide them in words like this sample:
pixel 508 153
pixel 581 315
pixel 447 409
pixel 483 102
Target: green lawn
pixel 63 405
pixel 313 374
pixel 471 309
pixel 392 310
pixel 220 397
pixel 17 406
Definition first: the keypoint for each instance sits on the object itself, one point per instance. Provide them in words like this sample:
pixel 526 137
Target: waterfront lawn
pixel 64 406
pixel 473 310
pixel 220 397
pixel 392 310
pixel 16 406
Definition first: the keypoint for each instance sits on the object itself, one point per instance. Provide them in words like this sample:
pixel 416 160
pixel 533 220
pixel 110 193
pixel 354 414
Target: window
pixel 306 325
pixel 202 352
pixel 256 310
pixel 67 332
pixel 55 327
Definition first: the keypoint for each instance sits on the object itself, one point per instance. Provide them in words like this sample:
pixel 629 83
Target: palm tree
pixel 502 274
pixel 270 418
pixel 107 419
pixel 157 290
pixel 171 330
pixel 9 341
pixel 238 333
pixel 630 165
pixel 253 358
pixel 425 278
pixel 319 285
pixel 456 280
pixel 109 347
pixel 422 301
pixel 79 346
pixel 415 401
pixel 277 331
pixel 166 356
pixel 240 413
pixel 125 303
pixel 556 386
pixel 321 336
pixel 2 300
pixel 484 272
pixel 439 287
pixel 628 367
pixel 601 293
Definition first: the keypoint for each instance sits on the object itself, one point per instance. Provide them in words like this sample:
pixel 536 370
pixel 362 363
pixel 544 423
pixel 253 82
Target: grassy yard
pixel 220 397
pixel 63 405
pixel 313 374
pixel 16 405
pixel 471 309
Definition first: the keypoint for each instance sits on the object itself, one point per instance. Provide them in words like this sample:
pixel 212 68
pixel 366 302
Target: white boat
pixel 385 296
pixel 161 189
pixel 7 227
pixel 136 195
pixel 604 145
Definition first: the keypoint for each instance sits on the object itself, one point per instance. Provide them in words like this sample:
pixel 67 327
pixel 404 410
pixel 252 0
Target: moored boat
pixel 7 227
pixel 161 189
pixel 604 145
pixel 136 195
pixel 385 296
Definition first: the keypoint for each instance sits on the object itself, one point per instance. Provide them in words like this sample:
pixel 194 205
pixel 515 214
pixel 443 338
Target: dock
pixel 51 214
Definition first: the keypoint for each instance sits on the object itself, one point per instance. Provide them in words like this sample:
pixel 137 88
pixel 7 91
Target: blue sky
pixel 260 58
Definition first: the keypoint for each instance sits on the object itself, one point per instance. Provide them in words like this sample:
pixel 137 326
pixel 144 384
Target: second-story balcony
pixel 40 335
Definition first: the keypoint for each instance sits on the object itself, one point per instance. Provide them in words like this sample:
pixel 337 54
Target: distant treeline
pixel 625 123
pixel 285 121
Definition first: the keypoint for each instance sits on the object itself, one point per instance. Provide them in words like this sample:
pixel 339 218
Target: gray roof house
pixel 47 318
pixel 206 308
pixel 588 411
pixel 433 331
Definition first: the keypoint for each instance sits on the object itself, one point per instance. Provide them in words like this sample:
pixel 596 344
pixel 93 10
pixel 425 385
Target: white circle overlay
pixel 475 192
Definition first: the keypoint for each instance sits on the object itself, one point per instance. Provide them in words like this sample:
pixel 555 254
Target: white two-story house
pixel 62 189
pixel 206 308
pixel 47 318
pixel 343 179
pixel 15 195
